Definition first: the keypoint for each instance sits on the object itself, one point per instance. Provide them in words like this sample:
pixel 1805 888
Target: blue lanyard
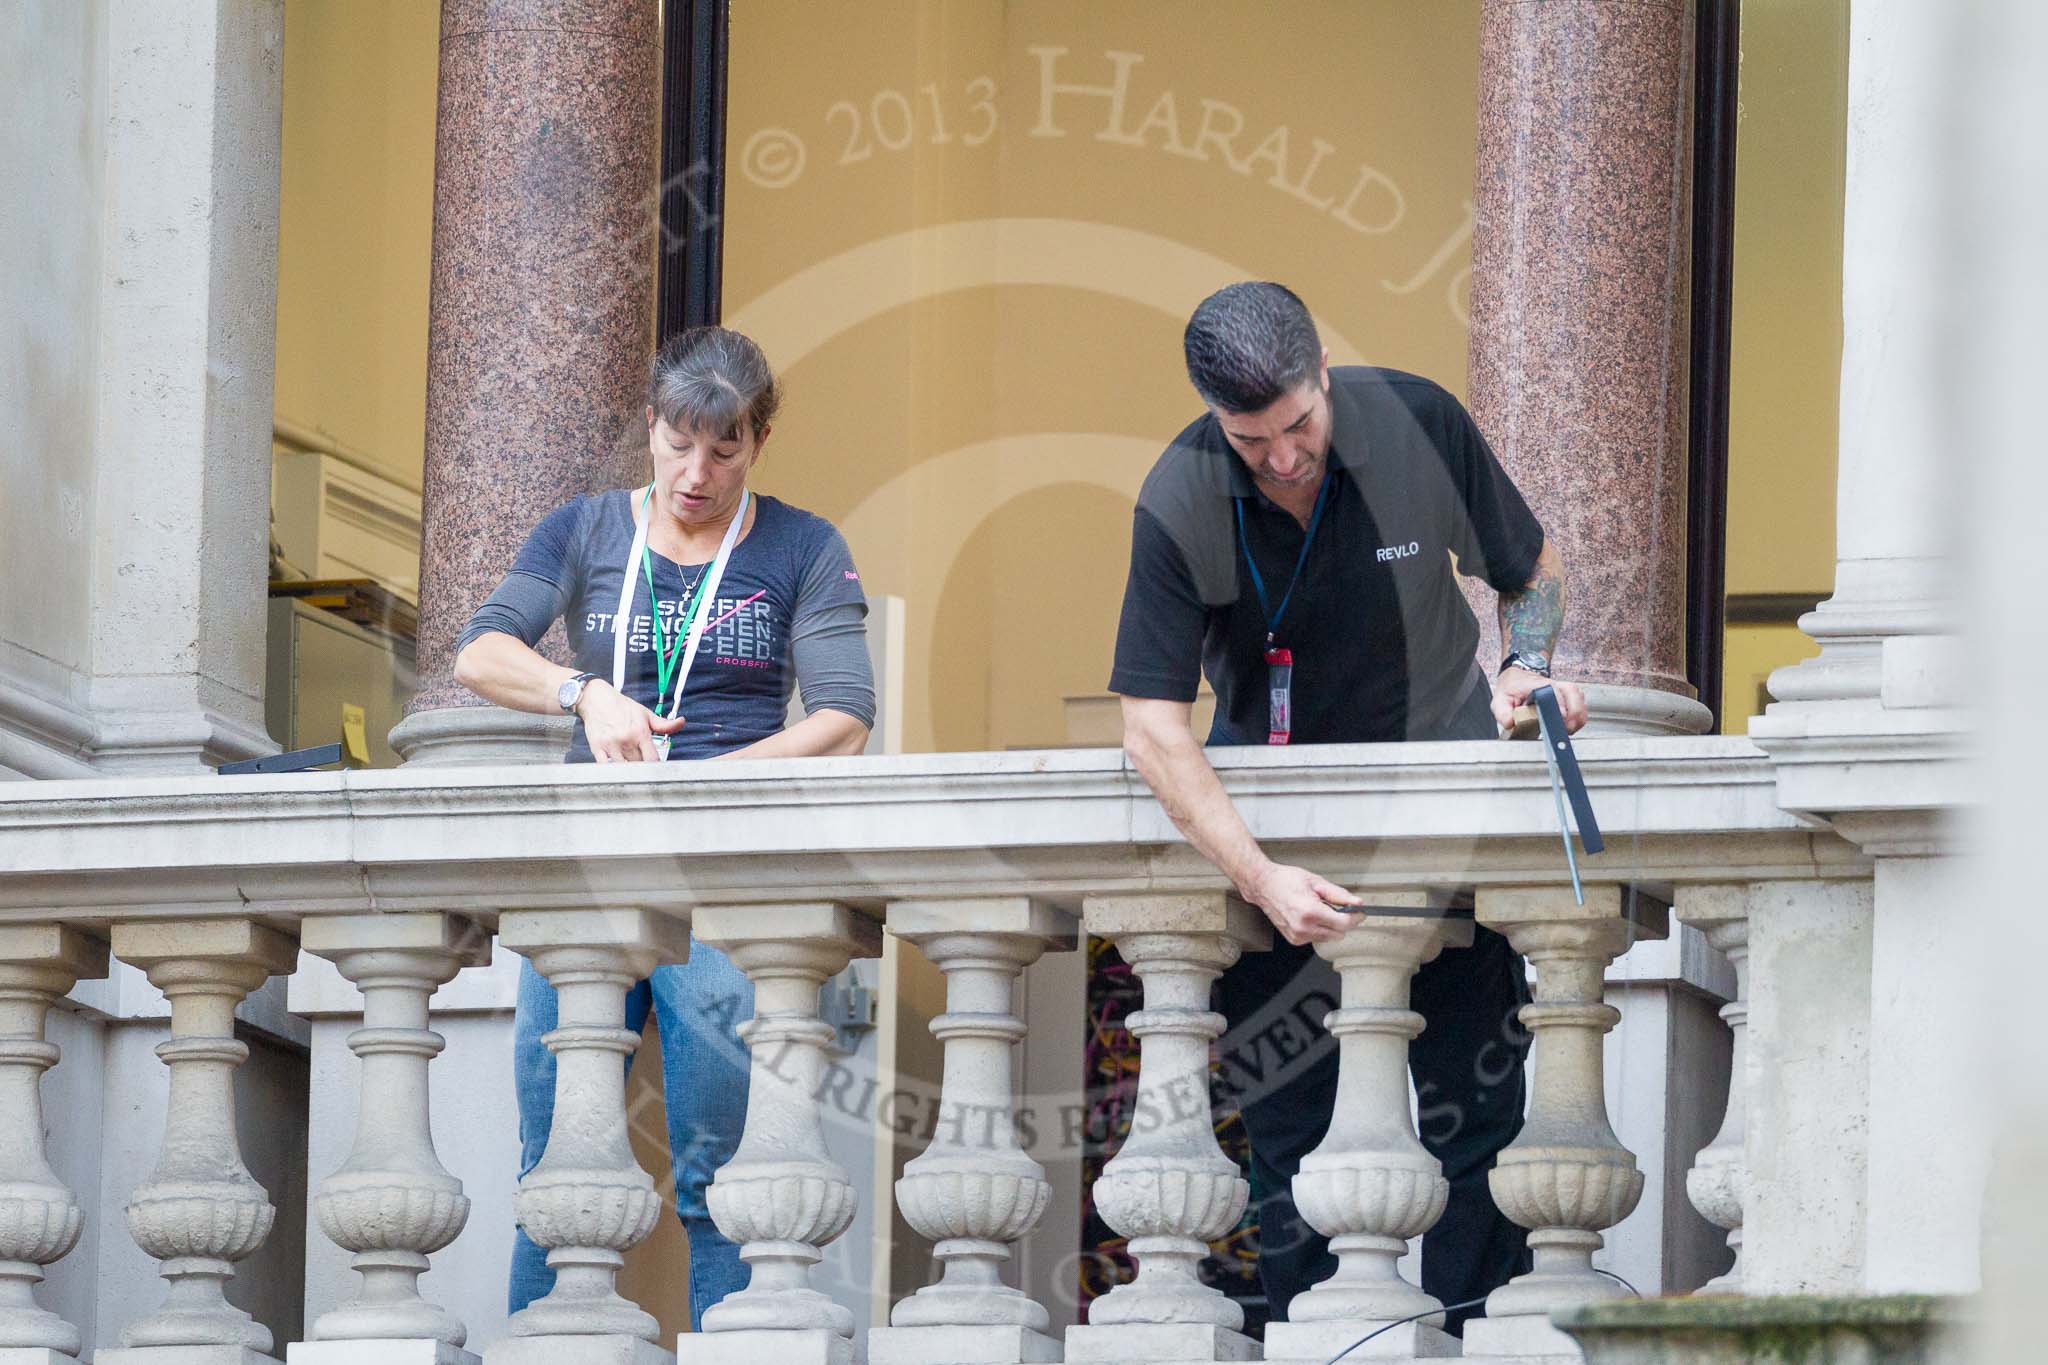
pixel 1315 519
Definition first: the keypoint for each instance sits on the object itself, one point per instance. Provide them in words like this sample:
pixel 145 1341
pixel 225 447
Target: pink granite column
pixel 545 165
pixel 1581 255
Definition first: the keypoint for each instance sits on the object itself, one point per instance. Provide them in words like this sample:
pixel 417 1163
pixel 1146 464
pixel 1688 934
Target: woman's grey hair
pixel 711 379
pixel 1249 344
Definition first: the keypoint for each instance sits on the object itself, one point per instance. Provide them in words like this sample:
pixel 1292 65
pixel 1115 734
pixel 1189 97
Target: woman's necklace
pixel 668 650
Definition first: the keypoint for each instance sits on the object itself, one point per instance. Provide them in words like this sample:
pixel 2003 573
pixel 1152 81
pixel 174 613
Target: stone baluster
pixel 1719 1179
pixel 1170 1189
pixel 782 1196
pixel 1370 1185
pixel 392 1203
pixel 200 1211
pixel 39 1216
pixel 974 1191
pixel 588 1201
pixel 1566 1177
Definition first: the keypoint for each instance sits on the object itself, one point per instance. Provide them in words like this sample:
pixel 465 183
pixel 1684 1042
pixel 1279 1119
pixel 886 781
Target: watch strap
pixel 1532 663
pixel 578 683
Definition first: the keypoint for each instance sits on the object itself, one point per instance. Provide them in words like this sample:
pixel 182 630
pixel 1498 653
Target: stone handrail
pixel 793 868
pixel 1059 823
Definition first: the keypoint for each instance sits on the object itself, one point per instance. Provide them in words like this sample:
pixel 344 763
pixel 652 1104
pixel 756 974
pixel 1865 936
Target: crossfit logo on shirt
pixel 1389 553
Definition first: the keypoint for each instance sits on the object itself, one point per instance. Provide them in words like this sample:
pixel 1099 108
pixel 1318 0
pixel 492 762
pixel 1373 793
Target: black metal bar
pixel 293 761
pixel 1558 740
pixel 1716 57
pixel 694 44
pixel 1770 608
pixel 1406 911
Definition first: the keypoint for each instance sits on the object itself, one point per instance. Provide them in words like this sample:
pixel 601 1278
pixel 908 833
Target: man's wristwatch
pixel 1528 661
pixel 571 692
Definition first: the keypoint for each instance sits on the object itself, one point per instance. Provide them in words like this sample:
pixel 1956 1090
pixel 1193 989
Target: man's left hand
pixel 1512 689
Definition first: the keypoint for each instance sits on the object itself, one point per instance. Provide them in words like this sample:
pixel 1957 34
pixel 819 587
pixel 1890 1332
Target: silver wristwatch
pixel 571 692
pixel 1527 661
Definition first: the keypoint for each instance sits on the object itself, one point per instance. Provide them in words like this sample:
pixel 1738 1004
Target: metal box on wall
pixel 318 662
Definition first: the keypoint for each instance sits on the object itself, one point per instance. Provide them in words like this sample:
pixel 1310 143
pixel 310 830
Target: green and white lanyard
pixel 669 672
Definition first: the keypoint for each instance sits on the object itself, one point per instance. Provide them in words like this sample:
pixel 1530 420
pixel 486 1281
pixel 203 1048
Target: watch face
pixel 566 695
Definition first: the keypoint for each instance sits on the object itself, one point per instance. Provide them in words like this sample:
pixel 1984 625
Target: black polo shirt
pixel 1383 640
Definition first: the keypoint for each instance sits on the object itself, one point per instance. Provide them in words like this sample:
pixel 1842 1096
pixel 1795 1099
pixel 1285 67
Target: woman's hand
pixel 619 729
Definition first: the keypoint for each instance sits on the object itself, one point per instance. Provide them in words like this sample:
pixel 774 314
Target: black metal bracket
pixel 294 761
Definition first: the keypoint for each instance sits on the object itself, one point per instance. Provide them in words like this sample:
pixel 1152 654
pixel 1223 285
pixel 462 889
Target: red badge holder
pixel 1279 695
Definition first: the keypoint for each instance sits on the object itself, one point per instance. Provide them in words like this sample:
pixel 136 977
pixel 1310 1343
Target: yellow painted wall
pixel 977 308
pixel 355 223
pixel 1786 331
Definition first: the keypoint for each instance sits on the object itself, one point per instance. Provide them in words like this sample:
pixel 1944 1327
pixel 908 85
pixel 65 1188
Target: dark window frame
pixel 690 282
pixel 1716 57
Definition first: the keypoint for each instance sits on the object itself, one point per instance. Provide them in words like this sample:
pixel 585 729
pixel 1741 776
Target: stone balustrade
pixel 985 863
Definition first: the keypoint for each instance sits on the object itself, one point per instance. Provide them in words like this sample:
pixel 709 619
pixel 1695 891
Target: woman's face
pixel 698 478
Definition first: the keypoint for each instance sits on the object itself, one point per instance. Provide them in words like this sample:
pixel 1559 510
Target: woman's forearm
pixel 824 731
pixel 508 671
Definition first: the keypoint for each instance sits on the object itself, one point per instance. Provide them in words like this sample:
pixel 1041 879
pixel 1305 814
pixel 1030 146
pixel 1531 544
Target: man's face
pixel 1287 444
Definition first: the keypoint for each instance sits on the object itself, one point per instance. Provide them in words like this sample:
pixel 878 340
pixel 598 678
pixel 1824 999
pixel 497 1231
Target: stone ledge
pixel 1907 1329
pixel 813 1346
pixel 182 1355
pixel 995 1344
pixel 378 1351
pixel 579 1350
pixel 1314 1343
pixel 1057 824
pixel 1523 1337
pixel 1178 1342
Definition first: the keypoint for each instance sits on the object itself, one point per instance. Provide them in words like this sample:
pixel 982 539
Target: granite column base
pixel 1614 709
pixel 479 736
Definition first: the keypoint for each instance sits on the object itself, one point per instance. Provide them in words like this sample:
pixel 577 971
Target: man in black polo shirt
pixel 1295 545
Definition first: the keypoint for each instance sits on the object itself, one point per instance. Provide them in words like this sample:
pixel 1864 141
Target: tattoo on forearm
pixel 1530 619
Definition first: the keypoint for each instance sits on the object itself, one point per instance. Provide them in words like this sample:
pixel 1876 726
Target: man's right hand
pixel 619 729
pixel 1298 902
pixel 1160 746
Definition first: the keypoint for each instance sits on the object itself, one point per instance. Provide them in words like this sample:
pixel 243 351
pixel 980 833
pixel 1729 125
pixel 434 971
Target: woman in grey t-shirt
pixel 692 606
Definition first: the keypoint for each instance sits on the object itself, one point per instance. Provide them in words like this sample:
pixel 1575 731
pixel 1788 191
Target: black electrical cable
pixel 1388 1327
pixel 1469 1303
pixel 1618 1280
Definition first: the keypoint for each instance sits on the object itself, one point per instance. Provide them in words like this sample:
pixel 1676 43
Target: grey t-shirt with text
pixel 789 610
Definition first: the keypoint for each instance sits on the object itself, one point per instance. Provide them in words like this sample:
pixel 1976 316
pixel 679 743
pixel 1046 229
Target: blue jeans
pixel 700 1004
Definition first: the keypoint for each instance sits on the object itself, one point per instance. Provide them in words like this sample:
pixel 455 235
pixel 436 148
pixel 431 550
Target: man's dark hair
pixel 1248 344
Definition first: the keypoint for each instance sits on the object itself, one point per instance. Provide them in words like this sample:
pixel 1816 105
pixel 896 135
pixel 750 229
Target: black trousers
pixel 1467 1067
pixel 1468 1078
